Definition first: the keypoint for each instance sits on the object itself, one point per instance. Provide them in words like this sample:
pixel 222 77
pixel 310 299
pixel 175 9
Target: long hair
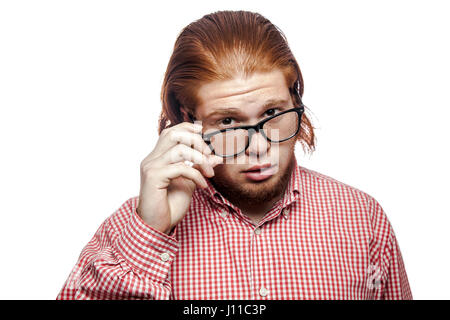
pixel 219 46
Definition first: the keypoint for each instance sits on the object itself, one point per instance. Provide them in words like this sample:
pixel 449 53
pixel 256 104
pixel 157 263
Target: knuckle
pixel 192 140
pixel 177 152
pixel 179 149
pixel 180 165
pixel 172 136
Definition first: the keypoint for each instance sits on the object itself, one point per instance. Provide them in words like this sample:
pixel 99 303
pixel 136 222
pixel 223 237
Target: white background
pixel 79 97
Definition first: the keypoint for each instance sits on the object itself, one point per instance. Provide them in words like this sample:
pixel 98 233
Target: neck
pixel 257 212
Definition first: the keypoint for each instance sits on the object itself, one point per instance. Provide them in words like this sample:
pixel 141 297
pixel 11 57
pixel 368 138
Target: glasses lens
pixel 230 142
pixel 282 127
pixel 277 129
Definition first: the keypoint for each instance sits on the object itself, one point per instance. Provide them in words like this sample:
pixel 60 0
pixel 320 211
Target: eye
pixel 271 112
pixel 225 121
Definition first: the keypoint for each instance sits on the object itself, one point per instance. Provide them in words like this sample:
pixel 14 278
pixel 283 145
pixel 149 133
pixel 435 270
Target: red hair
pixel 218 47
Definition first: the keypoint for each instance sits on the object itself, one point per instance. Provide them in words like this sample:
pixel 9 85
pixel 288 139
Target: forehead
pixel 245 93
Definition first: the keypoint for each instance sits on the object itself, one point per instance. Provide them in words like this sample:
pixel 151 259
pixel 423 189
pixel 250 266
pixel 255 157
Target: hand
pixel 167 182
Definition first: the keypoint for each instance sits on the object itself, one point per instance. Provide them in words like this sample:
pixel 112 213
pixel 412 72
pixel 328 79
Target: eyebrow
pixel 237 111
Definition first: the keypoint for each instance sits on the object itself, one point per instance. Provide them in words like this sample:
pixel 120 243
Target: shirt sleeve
pixel 389 278
pixel 125 259
pixel 396 285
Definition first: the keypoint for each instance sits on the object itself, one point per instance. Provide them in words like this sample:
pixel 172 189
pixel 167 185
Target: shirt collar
pixel 290 195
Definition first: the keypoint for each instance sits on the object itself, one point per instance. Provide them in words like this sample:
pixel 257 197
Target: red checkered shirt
pixel 322 240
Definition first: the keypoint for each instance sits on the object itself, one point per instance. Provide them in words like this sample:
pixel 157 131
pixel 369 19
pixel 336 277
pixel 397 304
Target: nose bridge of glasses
pixel 257 140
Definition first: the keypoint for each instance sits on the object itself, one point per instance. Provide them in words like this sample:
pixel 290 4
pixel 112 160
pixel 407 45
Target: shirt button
pixel 263 292
pixel 258 231
pixel 224 214
pixel 164 256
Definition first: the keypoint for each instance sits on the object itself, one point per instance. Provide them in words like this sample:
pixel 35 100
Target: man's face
pixel 246 101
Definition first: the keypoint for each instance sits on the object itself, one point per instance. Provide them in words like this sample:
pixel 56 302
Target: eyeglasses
pixel 231 142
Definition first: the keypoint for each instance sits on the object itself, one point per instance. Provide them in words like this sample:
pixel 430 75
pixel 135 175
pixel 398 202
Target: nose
pixel 259 146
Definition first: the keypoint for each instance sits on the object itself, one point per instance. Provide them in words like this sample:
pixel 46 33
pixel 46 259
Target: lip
pixel 258 167
pixel 263 172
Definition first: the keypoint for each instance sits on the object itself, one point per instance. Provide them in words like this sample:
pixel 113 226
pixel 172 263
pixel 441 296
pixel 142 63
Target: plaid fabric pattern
pixel 322 240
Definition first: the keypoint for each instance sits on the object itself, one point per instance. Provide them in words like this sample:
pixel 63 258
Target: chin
pixel 231 182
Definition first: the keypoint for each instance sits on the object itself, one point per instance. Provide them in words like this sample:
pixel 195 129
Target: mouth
pixel 260 172
pixel 259 167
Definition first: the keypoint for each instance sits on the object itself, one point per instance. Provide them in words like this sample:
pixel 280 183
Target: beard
pixel 253 193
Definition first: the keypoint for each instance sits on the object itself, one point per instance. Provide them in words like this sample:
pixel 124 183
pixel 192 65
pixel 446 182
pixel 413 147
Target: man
pixel 224 210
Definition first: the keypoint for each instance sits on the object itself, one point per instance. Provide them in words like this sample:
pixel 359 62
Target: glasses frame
pixel 256 128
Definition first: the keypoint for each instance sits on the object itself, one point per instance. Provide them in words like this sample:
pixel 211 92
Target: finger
pixel 194 127
pixel 213 160
pixel 186 133
pixel 190 139
pixel 181 153
pixel 189 126
pixel 179 169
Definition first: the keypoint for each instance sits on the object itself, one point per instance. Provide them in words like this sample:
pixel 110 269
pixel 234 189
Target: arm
pixel 132 252
pixel 396 285
pixel 388 271
pixel 126 259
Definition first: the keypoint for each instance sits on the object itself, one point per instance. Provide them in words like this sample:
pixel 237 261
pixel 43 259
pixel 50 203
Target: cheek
pixel 223 170
pixel 229 172
pixel 284 151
